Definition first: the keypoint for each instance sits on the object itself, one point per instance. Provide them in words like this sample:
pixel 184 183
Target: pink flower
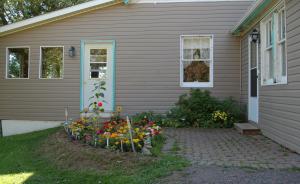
pixel 100 104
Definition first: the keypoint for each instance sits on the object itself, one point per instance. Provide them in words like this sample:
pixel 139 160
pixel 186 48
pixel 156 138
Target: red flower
pixel 100 104
pixel 100 132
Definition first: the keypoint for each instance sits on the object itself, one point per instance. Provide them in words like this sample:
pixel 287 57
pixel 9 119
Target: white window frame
pixel 211 65
pixel 278 44
pixel 278 78
pixel 63 63
pixel 29 59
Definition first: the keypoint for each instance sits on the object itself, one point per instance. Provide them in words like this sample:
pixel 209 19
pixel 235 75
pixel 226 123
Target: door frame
pixel 82 58
pixel 249 75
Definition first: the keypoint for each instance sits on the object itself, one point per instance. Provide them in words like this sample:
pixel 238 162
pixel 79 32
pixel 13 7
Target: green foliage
pixel 20 157
pixel 97 98
pixel 148 116
pixel 16 10
pixel 157 144
pixel 52 62
pixel 18 62
pixel 200 109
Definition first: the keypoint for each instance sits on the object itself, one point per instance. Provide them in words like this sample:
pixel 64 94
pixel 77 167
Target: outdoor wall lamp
pixel 255 35
pixel 72 51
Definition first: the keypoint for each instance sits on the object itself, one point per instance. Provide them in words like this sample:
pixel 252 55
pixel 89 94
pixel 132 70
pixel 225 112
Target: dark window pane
pixel 95 75
pixel 253 82
pixel 18 59
pixel 52 62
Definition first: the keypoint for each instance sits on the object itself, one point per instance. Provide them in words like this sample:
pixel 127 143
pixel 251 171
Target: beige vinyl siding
pixel 279 105
pixel 147 57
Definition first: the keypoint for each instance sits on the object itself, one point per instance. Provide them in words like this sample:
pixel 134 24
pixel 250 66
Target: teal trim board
pixel 251 17
pixel 126 2
pixel 82 55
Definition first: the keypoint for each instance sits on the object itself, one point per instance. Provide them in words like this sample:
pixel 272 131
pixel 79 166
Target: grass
pixel 21 162
pixel 175 147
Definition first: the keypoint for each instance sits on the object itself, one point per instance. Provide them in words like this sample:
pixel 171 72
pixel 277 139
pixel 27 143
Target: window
pixel 98 63
pixel 196 61
pixel 17 63
pixel 52 62
pixel 274 48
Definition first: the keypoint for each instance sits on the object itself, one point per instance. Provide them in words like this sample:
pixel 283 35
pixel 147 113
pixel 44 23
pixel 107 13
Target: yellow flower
pixel 136 140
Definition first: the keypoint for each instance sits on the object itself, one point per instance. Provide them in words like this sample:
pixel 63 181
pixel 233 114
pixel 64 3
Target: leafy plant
pixel 98 98
pixel 144 117
pixel 200 109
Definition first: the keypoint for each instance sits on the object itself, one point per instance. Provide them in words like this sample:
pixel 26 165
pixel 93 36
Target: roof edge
pixel 57 15
pixel 252 13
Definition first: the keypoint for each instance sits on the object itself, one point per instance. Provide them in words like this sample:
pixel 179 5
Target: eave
pixel 257 9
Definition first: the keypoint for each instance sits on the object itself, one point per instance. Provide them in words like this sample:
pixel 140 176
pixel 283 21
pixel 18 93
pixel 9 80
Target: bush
pixel 200 109
pixel 144 117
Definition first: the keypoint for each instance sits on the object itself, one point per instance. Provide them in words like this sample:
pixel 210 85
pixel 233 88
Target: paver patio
pixel 222 156
pixel 226 147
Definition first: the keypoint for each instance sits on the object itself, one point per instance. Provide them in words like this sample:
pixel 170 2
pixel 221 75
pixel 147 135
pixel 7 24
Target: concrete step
pixel 247 128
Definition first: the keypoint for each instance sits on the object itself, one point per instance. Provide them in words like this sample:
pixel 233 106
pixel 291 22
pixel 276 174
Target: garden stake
pixel 95 139
pixel 107 135
pixel 130 134
pixel 122 146
pixel 66 114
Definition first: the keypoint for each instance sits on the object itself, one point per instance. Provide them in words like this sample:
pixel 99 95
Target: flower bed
pixel 116 134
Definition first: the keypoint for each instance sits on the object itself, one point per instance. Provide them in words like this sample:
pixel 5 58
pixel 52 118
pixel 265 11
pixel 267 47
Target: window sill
pixel 51 78
pixel 274 84
pixel 16 78
pixel 196 85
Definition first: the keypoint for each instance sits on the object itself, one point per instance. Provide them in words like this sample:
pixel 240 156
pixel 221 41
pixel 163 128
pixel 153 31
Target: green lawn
pixel 20 162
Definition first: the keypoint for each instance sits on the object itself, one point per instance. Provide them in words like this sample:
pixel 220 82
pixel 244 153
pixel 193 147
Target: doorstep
pixel 247 128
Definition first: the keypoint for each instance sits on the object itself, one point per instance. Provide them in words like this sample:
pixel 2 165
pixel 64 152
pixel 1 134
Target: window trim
pixel 209 84
pixel 6 58
pixel 63 63
pixel 273 15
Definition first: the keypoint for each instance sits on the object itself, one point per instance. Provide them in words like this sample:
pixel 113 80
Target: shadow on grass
pixel 22 163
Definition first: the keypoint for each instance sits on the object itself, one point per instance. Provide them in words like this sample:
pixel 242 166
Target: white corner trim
pixel 14 127
pixel 59 14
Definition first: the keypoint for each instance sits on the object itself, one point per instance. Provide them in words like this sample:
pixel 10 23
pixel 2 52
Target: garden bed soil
pixel 58 149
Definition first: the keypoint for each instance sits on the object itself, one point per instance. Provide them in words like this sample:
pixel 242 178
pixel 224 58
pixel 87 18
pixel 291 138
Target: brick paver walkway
pixel 225 147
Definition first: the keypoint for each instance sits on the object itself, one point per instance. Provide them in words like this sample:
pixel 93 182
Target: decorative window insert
pixel 273 48
pixel 17 60
pixel 98 64
pixel 51 64
pixel 196 61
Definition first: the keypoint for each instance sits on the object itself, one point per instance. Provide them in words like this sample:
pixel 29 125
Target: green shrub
pixel 148 116
pixel 200 109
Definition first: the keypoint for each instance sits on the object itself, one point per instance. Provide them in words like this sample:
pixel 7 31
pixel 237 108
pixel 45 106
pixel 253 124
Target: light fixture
pixel 255 35
pixel 72 51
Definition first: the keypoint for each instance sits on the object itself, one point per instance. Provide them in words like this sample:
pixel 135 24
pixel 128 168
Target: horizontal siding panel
pixel 147 57
pixel 280 104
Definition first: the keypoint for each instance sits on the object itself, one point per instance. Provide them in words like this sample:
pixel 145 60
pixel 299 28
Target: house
pixel 149 52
